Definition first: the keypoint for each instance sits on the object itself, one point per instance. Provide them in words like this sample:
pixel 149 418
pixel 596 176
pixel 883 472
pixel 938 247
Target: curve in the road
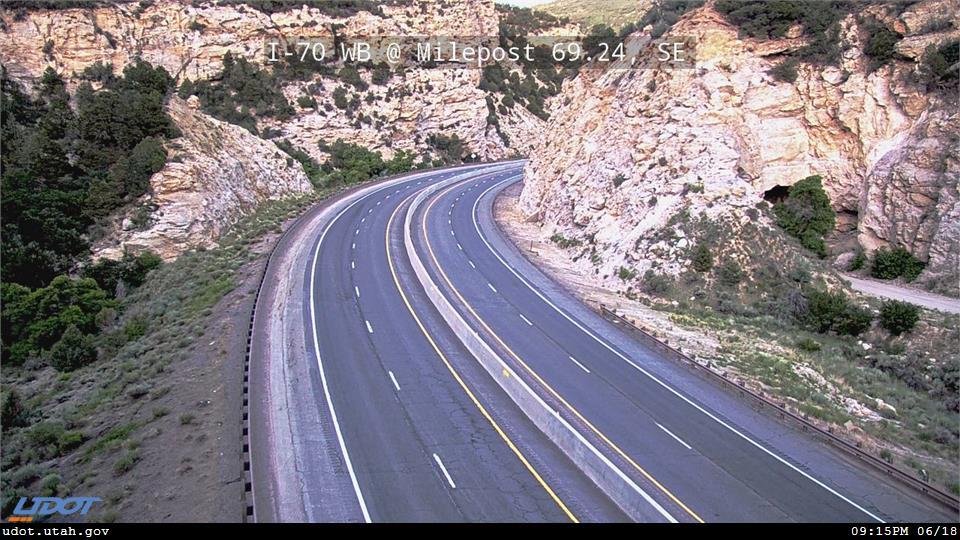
pixel 729 471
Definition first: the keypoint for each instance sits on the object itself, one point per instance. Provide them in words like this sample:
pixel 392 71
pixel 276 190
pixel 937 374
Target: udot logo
pixel 25 511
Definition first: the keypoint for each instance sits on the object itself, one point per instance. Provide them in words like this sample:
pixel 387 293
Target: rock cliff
pixel 216 172
pixel 626 150
pixel 219 172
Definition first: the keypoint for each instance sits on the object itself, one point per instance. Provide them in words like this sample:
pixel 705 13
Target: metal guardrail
pixel 806 425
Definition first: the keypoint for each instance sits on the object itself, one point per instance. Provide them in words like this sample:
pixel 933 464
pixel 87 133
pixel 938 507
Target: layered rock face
pixel 190 39
pixel 216 172
pixel 714 139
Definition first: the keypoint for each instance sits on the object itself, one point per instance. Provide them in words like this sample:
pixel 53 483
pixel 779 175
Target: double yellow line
pixel 533 373
pixel 460 380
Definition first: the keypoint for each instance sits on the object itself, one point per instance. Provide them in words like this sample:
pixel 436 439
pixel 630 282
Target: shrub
pixel 858 262
pixel 349 74
pixel 702 258
pixel 564 242
pixel 35 320
pixel 730 273
pixel 808 344
pixel 898 317
pixel 896 262
pixel 785 71
pixel 74 350
pixel 936 65
pixel 449 147
pixel 806 214
pixel 307 102
pixel 880 45
pixel 618 180
pixel 658 284
pixel 834 312
pixel 626 274
pixel 12 413
pixel 130 269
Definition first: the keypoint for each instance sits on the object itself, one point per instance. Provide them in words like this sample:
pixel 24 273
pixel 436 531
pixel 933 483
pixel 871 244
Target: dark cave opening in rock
pixel 776 194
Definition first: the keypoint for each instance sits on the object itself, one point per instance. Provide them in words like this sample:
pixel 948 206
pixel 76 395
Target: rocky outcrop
pixel 215 173
pixel 712 140
pixel 190 39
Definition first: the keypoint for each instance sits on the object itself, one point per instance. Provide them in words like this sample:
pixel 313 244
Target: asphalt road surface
pixel 413 429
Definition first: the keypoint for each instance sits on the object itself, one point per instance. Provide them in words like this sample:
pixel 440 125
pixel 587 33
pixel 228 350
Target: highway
pixel 412 428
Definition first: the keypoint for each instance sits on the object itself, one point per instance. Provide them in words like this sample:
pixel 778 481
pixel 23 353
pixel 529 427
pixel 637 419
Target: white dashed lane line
pixel 369 328
pixel 394 379
pixel 678 439
pixel 583 367
pixel 526 320
pixel 445 473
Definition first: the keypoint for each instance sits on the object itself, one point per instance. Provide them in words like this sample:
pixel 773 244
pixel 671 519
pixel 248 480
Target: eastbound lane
pixel 701 454
pixel 417 447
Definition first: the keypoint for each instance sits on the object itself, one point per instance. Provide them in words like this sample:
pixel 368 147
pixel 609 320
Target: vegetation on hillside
pixel 806 214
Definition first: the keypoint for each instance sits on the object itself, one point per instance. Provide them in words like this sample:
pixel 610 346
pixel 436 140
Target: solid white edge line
pixel 650 375
pixel 316 348
pixel 579 436
pixel 444 469
pixel 394 379
pixel 583 367
pixel 670 433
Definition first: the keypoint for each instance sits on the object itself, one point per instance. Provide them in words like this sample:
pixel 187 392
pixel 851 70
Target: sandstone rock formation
pixel 714 139
pixel 190 39
pixel 220 171
pixel 216 172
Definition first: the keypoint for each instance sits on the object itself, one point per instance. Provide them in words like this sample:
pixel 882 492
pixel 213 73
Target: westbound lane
pixel 718 462
pixel 417 446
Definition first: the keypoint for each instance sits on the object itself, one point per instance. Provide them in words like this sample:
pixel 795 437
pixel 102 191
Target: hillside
pixel 587 13
pixel 726 198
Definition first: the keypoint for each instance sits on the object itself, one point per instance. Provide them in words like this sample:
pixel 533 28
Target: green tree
pixel 702 258
pixel 73 350
pixel 34 320
pixel 806 214
pixel 828 311
pixel 898 317
pixel 893 263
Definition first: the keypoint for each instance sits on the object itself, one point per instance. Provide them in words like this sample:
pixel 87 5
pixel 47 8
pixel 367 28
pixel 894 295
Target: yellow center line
pixel 460 380
pixel 634 464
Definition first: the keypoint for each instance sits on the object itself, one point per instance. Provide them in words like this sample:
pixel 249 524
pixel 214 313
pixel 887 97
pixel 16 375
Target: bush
pixel 307 102
pixel 880 45
pixel 858 262
pixel 785 71
pixel 12 413
pixel 564 242
pixel 730 273
pixel 35 320
pixel 936 63
pixel 808 344
pixel 626 274
pixel 618 180
pixel 658 284
pixel 826 312
pixel 806 214
pixel 893 263
pixel 898 317
pixel 131 270
pixel 702 258
pixel 74 350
